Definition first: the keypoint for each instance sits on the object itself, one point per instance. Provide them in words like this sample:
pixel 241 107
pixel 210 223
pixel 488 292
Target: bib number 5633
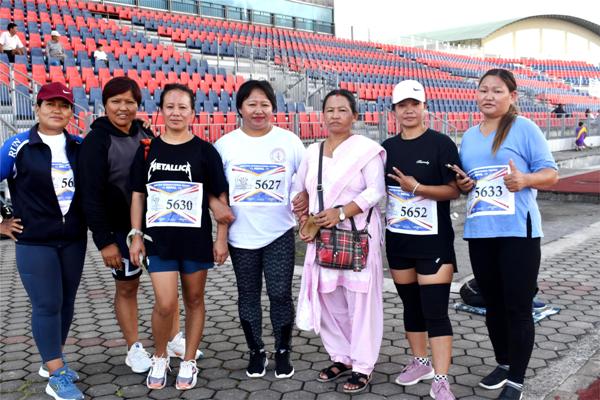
pixel 489 191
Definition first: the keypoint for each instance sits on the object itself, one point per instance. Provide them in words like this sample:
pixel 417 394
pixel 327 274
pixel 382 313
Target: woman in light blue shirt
pixel 507 159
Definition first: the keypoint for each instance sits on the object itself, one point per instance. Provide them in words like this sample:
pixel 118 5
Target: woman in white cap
pixel 49 229
pixel 54 50
pixel 419 235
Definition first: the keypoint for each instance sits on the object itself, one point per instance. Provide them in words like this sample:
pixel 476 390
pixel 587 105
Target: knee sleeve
pixel 414 320
pixel 435 309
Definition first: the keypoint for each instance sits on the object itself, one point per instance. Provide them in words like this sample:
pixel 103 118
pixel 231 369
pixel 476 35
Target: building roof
pixel 481 31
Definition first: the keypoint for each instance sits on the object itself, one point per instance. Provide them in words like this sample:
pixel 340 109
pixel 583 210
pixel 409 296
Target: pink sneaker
pixel 413 373
pixel 441 391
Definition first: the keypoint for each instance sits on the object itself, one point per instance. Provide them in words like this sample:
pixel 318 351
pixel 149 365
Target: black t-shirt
pixel 424 158
pixel 193 161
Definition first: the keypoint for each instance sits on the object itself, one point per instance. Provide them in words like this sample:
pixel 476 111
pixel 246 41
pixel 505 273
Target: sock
pixel 518 386
pixel 423 360
pixel 504 366
pixel 439 377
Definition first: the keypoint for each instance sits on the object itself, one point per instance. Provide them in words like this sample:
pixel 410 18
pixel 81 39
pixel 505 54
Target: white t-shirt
pixel 100 55
pixel 9 42
pixel 260 171
pixel 62 174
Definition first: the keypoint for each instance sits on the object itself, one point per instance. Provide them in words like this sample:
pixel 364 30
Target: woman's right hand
pixel 111 255
pixel 10 226
pixel 137 247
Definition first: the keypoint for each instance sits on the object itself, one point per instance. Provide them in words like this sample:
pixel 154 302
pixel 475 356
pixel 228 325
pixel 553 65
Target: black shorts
pixel 129 271
pixel 11 55
pixel 423 266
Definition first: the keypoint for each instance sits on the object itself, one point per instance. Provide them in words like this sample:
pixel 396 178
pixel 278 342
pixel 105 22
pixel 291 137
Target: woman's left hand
pixel 516 180
pixel 220 251
pixel 407 183
pixel 328 218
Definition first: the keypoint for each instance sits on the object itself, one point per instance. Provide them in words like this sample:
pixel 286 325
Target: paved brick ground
pixel 570 279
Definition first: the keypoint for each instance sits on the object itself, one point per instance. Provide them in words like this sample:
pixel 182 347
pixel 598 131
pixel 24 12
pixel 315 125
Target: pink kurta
pixel 343 306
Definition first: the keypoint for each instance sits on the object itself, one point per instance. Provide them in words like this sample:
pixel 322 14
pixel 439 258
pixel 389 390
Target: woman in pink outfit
pixel 343 306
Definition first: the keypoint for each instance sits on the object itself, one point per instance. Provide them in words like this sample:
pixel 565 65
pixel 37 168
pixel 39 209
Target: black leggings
pixel 277 261
pixel 506 271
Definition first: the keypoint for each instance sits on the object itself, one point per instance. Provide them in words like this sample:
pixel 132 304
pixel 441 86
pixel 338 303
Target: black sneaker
pixel 257 366
pixel 495 380
pixel 283 366
pixel 510 393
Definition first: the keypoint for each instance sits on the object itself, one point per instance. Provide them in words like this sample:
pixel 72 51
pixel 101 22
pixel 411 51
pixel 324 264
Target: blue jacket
pixel 25 160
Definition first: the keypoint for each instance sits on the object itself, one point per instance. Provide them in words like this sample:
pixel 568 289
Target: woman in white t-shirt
pixel 260 161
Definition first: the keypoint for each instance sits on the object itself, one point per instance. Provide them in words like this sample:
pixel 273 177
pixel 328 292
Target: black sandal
pixel 342 369
pixel 361 381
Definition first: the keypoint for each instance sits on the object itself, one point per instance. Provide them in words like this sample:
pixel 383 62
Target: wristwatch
pixel 342 215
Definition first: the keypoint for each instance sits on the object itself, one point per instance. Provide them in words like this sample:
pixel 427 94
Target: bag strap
pixel 320 177
pixel 320 189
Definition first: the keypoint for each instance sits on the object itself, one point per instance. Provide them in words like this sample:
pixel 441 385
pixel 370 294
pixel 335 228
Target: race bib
pixel 64 184
pixel 258 184
pixel 174 203
pixel 490 195
pixel 410 214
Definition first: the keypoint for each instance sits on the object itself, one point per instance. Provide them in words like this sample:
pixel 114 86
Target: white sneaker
pixel 157 377
pixel 187 376
pixel 176 347
pixel 138 358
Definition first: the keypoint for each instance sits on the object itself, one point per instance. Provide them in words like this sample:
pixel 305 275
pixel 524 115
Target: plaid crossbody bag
pixel 341 248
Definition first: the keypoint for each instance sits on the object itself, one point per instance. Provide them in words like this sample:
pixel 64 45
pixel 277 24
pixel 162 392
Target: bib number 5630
pixel 183 205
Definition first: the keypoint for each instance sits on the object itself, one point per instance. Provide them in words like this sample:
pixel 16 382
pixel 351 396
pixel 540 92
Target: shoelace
pixel 61 381
pixel 139 353
pixel 186 368
pixel 159 364
pixel 410 366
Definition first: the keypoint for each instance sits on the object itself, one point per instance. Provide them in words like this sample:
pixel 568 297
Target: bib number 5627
pixel 267 184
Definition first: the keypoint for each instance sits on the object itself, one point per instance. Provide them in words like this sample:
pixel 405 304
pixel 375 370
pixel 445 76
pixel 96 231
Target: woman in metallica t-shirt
pixel 419 235
pixel 172 180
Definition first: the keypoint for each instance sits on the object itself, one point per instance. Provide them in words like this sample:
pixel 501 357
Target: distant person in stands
pixel 49 229
pixel 587 113
pixel 580 135
pixel 55 51
pixel 10 43
pixel 100 54
pixel 559 111
pixel 507 159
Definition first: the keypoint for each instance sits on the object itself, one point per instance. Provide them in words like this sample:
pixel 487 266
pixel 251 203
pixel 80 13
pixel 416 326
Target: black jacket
pixel 106 157
pixel 26 161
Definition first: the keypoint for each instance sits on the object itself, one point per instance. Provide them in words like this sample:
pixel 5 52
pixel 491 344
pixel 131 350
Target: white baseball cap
pixel 408 89
pixel 54 33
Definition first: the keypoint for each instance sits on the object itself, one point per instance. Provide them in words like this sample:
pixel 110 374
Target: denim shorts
pixel 157 264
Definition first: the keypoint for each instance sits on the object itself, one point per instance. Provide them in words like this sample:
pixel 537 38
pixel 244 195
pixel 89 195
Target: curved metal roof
pixel 481 31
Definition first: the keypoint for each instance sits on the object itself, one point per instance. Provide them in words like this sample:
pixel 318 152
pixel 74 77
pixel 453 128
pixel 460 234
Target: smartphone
pixel 456 170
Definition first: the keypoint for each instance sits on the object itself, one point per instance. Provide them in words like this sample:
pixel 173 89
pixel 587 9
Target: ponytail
pixel 504 127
